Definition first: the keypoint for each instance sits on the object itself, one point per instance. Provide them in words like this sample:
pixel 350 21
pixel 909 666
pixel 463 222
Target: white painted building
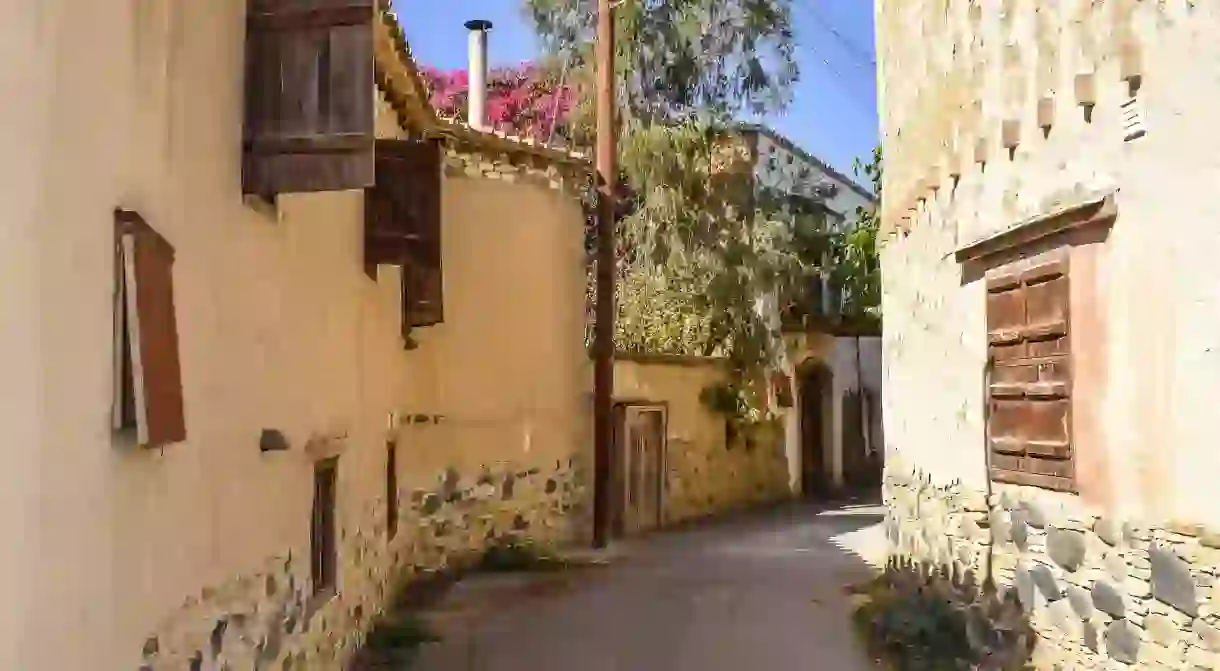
pixel 833 440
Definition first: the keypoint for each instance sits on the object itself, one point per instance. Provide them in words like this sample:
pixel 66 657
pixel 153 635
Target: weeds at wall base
pixel 917 618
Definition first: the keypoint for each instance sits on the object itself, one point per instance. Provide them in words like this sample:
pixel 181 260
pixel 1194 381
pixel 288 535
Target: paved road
pixel 760 592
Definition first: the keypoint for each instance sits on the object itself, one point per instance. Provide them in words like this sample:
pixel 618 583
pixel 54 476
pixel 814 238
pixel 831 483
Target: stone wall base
pixel 270 619
pixel 1100 593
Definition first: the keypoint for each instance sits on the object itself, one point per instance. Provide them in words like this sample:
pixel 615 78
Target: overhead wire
pixel 859 55
pixel 862 55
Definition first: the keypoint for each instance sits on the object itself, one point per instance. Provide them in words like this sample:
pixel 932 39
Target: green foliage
pixel 678 58
pixel 513 556
pixel 701 243
pixel 855 267
pixel 401 634
pixel 915 620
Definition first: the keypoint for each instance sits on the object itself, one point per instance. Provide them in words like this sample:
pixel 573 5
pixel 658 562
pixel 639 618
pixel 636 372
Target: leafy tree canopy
pixel 702 244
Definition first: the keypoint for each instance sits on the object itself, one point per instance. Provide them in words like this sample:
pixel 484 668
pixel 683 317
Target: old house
pixel 820 446
pixel 1052 340
pixel 273 334
pixel 832 364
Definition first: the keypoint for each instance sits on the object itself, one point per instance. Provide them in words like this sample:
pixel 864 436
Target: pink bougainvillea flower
pixel 520 100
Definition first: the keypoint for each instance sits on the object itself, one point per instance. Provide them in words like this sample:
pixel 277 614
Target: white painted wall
pixel 1156 276
pixel 783 173
pixel 839 354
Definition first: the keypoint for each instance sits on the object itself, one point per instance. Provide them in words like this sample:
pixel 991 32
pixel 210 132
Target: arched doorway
pixel 816 385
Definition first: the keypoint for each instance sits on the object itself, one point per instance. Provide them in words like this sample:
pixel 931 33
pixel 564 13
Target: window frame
pixel 391 487
pixel 323 528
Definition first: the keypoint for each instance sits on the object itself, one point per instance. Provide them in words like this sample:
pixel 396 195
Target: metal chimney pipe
pixel 476 112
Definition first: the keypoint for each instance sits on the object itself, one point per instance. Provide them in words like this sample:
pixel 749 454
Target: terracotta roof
pixel 398 77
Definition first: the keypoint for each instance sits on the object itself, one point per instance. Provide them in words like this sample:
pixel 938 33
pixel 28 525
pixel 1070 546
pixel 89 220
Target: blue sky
pixel 833 113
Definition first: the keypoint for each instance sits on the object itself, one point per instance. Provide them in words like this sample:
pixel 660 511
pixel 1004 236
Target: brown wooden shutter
pixel 1029 421
pixel 403 225
pixel 309 96
pixel 152 331
pixel 403 208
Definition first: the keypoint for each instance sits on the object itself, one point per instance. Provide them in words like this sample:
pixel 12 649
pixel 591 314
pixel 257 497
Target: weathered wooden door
pixel 643 450
pixel 816 383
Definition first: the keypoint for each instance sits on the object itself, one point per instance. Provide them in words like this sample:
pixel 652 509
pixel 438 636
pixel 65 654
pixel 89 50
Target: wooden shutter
pixel 403 208
pixel 403 225
pixel 1030 387
pixel 309 96
pixel 147 289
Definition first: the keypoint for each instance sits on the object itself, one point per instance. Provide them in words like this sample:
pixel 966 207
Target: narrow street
pixel 758 591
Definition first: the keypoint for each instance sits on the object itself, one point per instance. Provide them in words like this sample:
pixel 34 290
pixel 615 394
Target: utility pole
pixel 603 341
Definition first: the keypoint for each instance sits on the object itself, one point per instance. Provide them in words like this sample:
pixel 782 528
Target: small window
pixel 323 553
pixel 391 489
pixel 147 372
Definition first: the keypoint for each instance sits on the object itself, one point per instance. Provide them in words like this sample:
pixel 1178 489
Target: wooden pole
pixel 603 372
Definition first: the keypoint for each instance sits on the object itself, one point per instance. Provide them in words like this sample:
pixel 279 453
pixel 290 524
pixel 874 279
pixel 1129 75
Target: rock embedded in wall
pixel 1098 591
pixel 270 616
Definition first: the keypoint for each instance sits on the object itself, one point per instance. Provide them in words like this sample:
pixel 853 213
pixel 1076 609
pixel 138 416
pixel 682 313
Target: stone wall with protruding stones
pixel 1100 592
pixel 268 618
pixel 710 478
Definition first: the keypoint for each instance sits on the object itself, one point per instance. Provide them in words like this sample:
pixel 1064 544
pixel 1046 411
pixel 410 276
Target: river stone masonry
pixel 269 619
pixel 1100 592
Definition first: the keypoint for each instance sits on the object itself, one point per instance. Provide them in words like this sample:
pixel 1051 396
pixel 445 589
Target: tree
pixel 701 243
pixel 856 269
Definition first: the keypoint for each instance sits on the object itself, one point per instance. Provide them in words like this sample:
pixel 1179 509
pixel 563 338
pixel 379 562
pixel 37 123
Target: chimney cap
pixel 478 24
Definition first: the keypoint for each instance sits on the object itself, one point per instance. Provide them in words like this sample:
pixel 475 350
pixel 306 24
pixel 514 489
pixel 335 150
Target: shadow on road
pixel 766 589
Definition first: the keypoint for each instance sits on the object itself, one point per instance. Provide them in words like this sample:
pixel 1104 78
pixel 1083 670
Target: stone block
pixel 1081 600
pixel 1162 630
pixel 1108 599
pixel 1046 582
pixel 1033 514
pixel 1208 635
pixel 1171 580
pixel 1064 618
pixel 1200 658
pixel 1109 531
pixel 1066 548
pixel 1020 531
pixel 1090 635
pixel 1123 641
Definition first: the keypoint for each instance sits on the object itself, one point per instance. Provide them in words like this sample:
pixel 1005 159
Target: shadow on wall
pixel 918 616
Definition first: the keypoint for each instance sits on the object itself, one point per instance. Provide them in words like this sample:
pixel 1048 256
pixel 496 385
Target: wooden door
pixel 643 449
pixel 815 388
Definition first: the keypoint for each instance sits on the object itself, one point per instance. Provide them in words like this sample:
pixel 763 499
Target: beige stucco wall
pixel 703 475
pixel 1151 356
pixel 279 328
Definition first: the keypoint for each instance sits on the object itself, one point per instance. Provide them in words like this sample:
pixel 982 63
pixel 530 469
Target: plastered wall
pixel 279 328
pixel 997 112
pixel 704 475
